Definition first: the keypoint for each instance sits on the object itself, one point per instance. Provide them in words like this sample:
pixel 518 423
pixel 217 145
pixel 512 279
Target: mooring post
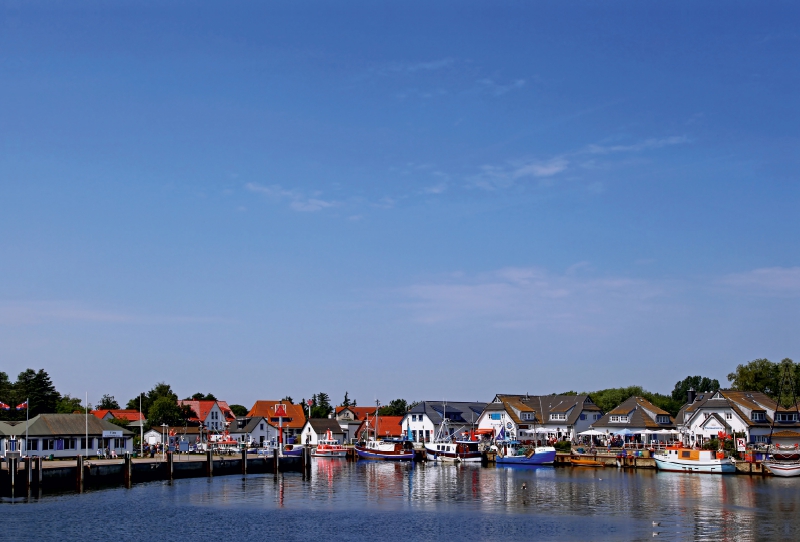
pixel 79 474
pixel 128 470
pixel 275 462
pixel 39 468
pixel 28 472
pixel 12 473
pixel 170 464
pixel 244 461
pixel 210 463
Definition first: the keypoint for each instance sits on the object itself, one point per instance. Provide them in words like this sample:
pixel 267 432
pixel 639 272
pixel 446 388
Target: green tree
pixel 239 410
pixel 68 405
pixel 757 375
pixel 697 383
pixel 397 407
pixel 165 410
pixel 321 405
pixel 202 397
pixel 345 401
pixel 287 399
pixel 38 389
pixel 148 399
pixel 107 402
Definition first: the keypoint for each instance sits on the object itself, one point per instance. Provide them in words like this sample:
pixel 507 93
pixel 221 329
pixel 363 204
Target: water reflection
pixel 424 501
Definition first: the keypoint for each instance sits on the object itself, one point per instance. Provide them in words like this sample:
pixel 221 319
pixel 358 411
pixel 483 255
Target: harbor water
pixel 401 501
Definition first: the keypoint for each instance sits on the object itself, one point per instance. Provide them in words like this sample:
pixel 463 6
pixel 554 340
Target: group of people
pixel 106 453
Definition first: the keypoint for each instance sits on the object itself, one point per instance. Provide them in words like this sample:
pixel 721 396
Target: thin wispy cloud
pixel 416 67
pixel 44 312
pixel 298 201
pixel 532 297
pixel 499 89
pixel 651 143
pixel 780 281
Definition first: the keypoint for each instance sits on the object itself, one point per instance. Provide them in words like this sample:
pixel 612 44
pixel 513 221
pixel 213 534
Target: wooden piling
pixel 79 474
pixel 12 473
pixel 28 473
pixel 170 465
pixel 39 471
pixel 275 461
pixel 128 471
pixel 244 461
pixel 209 463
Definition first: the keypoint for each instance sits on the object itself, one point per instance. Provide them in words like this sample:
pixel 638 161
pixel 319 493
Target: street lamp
pixel 164 429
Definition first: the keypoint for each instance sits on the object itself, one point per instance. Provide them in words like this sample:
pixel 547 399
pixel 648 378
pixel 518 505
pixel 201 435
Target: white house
pixel 538 417
pixel 749 412
pixel 425 418
pixel 254 431
pixel 316 429
pixel 213 415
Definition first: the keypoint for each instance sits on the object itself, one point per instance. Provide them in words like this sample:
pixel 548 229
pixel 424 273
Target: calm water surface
pixel 350 501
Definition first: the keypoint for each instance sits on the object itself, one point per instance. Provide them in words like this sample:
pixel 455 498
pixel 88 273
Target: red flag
pixel 21 406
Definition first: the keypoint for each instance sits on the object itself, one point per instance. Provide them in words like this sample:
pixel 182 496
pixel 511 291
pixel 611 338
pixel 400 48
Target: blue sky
pixel 396 201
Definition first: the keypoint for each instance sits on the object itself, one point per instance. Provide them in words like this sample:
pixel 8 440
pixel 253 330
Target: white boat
pixel 444 448
pixel 679 459
pixel 512 452
pixel 329 447
pixel 784 469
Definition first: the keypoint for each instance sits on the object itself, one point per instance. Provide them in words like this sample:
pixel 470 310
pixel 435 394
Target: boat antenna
pixel 786 374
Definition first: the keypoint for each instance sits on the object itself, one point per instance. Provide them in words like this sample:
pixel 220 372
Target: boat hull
pixel 708 466
pixel 294 451
pixel 446 457
pixel 382 455
pixel 329 453
pixel 784 470
pixel 541 457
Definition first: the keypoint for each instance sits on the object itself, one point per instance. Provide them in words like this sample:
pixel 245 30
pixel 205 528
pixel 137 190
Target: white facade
pixel 421 426
pixel 257 432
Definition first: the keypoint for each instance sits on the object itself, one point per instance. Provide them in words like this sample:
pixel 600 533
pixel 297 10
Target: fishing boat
pixel 456 451
pixel 329 447
pixel 680 459
pixel 784 461
pixel 512 452
pixel 446 449
pixel 383 449
pixel 293 450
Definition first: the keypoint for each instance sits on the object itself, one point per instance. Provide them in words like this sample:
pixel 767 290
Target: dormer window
pixel 619 419
pixel 787 417
pixel 527 415
pixel 558 417
pixel 662 419
pixel 758 416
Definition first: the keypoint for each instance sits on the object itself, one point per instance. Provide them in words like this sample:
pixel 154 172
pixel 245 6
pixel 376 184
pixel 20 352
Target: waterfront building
pixel 316 429
pixel 749 412
pixel 64 435
pixel 255 431
pixel 188 433
pixel 292 424
pixel 538 417
pixel 637 416
pixel 213 415
pixel 424 418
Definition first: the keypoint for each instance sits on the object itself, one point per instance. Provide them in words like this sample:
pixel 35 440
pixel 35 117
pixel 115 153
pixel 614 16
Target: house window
pixel 759 438
pixel 728 416
pixel 758 417
pixel 32 444
pixel 558 416
pixel 619 419
pixel 527 415
pixel 413 417
pixel 597 416
pixel 706 415
pixel 495 416
pixel 69 443
pixel 262 426
pixel 583 416
pixel 787 417
pixel 662 419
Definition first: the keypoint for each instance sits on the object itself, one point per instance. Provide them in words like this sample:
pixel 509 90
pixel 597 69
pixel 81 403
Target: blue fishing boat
pixel 513 452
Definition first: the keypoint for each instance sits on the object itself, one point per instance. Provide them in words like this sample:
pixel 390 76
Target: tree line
pixel 160 404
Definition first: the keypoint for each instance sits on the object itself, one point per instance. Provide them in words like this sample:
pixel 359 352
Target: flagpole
pixel 86 412
pixel 27 417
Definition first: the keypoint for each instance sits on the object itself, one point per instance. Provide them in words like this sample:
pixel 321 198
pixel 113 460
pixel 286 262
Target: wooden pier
pixel 24 477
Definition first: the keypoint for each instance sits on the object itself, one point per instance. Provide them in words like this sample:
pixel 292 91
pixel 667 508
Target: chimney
pixel 691 395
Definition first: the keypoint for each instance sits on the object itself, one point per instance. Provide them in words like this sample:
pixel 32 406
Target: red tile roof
pixel 388 426
pixel 359 412
pixel 266 409
pixel 121 414
pixel 203 408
